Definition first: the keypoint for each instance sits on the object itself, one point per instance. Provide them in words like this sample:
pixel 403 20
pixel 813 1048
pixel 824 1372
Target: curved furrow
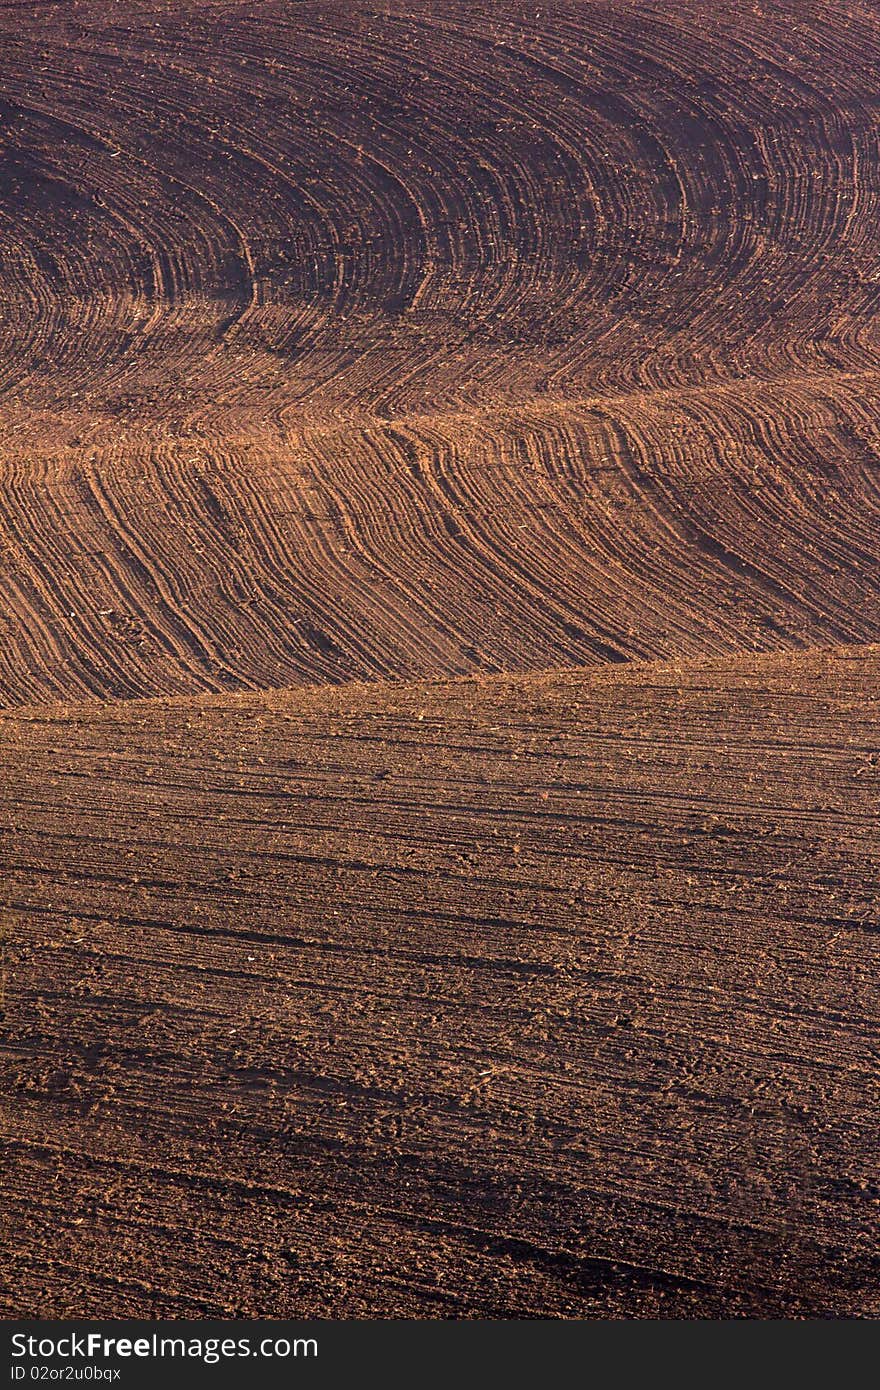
pixel 342 343
pixel 642 526
pixel 558 187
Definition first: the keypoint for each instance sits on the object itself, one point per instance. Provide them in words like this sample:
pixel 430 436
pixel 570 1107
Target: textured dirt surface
pixel 439 658
pixel 554 996
pixel 347 341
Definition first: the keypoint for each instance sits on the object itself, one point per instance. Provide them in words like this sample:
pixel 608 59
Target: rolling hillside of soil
pixel 544 996
pixel 439 633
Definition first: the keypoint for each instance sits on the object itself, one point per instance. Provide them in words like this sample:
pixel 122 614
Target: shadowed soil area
pixel 553 996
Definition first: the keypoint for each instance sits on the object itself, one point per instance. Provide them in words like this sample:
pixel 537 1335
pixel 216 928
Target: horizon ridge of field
pixel 439 630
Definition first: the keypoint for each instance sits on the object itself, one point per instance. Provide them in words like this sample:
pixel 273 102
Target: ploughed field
pixel 535 996
pixel 439 658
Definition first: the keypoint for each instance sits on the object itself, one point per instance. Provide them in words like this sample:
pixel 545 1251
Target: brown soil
pixel 542 996
pixel 511 369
